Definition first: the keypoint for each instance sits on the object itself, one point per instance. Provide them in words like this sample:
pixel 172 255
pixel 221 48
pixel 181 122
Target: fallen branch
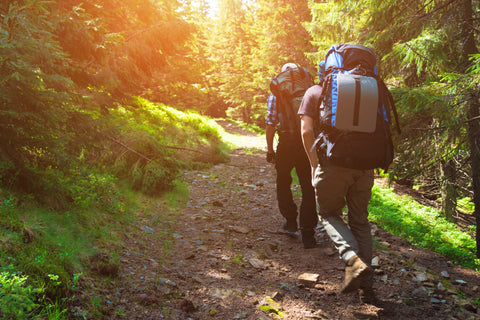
pixel 130 149
pixel 147 158
pixel 186 149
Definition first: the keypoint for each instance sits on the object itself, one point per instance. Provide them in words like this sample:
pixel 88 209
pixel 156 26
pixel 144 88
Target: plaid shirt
pixel 272 115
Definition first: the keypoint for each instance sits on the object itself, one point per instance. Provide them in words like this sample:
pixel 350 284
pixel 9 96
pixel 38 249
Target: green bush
pixel 17 299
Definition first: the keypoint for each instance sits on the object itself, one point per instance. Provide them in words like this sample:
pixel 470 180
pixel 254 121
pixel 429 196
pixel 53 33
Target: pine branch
pixel 429 60
pixel 445 127
pixel 434 10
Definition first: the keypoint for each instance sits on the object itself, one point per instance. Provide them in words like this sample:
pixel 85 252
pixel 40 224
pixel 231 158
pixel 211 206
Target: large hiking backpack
pixel 289 87
pixel 354 111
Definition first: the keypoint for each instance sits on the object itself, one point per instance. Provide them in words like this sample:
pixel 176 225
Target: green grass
pixel 422 226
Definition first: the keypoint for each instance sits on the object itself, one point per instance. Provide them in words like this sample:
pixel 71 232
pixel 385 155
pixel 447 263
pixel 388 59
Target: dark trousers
pixel 291 154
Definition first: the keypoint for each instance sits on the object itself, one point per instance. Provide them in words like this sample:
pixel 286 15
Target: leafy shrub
pixel 17 299
pixel 88 188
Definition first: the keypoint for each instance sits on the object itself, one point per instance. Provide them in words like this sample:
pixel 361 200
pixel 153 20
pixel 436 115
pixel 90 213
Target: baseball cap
pixel 289 65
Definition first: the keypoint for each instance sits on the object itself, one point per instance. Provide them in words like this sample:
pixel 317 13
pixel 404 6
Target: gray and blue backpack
pixel 289 87
pixel 354 110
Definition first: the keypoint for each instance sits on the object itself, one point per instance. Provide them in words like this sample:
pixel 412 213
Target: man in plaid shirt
pixel 288 155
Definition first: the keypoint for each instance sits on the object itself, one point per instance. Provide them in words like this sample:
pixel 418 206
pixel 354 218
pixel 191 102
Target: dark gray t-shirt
pixel 309 103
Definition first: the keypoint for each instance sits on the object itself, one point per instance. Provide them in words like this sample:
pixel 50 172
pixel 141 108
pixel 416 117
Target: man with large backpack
pixel 345 131
pixel 287 90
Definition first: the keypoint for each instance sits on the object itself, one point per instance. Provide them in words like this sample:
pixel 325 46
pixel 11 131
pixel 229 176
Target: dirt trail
pixel 229 261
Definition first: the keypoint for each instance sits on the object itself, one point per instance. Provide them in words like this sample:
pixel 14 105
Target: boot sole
pixel 354 284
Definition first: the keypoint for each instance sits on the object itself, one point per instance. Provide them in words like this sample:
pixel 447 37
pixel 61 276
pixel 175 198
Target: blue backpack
pixel 289 88
pixel 354 109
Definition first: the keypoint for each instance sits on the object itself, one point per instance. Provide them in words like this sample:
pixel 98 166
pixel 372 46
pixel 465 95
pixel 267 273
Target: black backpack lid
pixel 354 55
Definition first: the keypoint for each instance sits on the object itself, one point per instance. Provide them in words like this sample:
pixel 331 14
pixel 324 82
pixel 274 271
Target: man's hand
pixel 313 176
pixel 271 157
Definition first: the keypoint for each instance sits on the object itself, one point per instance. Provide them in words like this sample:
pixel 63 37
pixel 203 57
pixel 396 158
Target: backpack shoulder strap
pixel 390 103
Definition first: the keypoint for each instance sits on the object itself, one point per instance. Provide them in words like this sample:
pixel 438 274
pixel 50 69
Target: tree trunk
pixel 449 194
pixel 474 138
pixel 469 48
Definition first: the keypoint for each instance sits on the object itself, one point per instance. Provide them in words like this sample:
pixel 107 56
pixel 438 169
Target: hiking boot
pixel 355 271
pixel 290 226
pixel 308 239
pixel 367 295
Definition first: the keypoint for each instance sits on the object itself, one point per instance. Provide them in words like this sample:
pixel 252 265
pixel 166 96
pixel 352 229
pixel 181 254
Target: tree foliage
pixel 66 66
pixel 248 44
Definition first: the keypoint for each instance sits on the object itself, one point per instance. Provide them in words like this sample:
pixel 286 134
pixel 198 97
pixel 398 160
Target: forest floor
pixel 229 260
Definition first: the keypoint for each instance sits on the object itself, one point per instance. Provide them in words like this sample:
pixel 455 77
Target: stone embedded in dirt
pixel 376 262
pixel 165 286
pixel 240 229
pixel 318 314
pixel 166 291
pixel 436 301
pixel 421 293
pixel 202 248
pixel 308 279
pixel 167 282
pixel 445 274
pixel 256 263
pixel 420 277
pixel 287 287
pixel 224 294
pixel 197 279
pixel 147 229
pixel 461 282
pixel 241 316
pixel 277 296
pixel 441 287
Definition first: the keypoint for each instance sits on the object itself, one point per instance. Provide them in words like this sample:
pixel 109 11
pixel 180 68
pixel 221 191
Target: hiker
pixel 334 186
pixel 288 155
pixel 344 173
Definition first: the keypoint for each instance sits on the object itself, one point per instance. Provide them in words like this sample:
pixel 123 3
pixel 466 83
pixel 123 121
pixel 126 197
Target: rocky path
pixel 228 260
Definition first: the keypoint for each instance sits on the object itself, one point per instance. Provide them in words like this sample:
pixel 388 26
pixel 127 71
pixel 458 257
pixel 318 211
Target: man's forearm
pixel 270 134
pixel 308 138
